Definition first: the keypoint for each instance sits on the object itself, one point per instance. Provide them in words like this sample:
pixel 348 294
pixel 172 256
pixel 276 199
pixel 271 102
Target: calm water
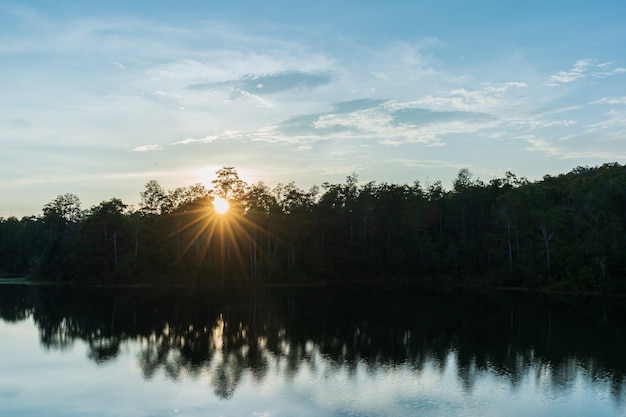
pixel 308 352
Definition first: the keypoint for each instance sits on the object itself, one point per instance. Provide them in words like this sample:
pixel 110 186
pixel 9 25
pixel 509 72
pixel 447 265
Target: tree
pixel 183 196
pixel 106 230
pixel 61 217
pixel 153 199
pixel 463 180
pixel 228 185
pixel 65 207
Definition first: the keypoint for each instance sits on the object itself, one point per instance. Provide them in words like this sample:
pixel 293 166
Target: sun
pixel 221 206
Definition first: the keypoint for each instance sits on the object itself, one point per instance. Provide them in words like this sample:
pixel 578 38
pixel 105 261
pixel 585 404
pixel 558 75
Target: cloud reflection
pixel 345 352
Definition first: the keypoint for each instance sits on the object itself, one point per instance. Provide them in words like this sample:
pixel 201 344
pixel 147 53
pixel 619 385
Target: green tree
pixel 228 185
pixel 61 218
pixel 153 199
pixel 108 239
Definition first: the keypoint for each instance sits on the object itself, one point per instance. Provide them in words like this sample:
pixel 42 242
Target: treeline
pixel 563 232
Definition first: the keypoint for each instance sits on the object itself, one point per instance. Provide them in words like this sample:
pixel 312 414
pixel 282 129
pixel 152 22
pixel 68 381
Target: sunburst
pixel 221 205
pixel 218 230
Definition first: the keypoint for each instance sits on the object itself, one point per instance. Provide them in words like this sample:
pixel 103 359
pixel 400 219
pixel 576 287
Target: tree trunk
pixel 547 237
pixel 115 250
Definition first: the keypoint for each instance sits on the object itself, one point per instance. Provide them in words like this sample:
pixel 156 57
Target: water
pixel 308 352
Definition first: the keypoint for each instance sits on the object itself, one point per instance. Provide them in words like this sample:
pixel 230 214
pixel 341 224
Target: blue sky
pixel 98 98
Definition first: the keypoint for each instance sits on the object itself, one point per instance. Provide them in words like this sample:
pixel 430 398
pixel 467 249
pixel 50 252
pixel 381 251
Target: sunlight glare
pixel 221 205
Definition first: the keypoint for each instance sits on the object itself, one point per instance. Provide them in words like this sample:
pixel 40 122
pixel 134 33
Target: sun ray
pixel 212 235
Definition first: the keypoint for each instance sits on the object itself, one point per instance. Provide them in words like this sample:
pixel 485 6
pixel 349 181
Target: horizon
pixel 222 205
pixel 99 98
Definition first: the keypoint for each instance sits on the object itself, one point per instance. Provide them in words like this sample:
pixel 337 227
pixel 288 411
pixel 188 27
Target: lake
pixel 308 352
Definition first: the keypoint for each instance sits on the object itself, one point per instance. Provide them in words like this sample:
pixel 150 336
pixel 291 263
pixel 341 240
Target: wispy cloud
pixel 584 68
pixel 262 84
pixel 383 122
pixel 610 100
pixel 580 68
pixel 538 144
pixel 261 102
pixel 342 169
pixel 147 148
pixel 427 163
pixel 614 118
pixel 445 164
pixel 427 120
pixel 584 151
pixel 615 71
pixel 98 177
pixel 224 135
pixel 490 98
pixel 529 124
pixel 187 141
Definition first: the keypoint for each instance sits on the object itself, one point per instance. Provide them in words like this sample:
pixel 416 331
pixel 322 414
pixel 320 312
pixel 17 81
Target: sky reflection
pixel 40 381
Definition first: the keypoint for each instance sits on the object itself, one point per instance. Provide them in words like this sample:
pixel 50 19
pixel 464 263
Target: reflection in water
pixel 478 344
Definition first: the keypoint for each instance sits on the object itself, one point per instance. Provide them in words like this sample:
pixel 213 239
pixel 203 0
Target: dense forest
pixel 564 232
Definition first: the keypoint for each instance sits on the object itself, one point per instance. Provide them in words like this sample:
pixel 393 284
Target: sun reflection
pixel 221 205
pixel 217 334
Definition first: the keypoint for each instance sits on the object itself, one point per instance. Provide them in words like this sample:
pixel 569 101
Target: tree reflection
pixel 222 338
pixel 102 349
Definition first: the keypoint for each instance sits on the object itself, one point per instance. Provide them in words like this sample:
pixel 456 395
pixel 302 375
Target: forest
pixel 560 233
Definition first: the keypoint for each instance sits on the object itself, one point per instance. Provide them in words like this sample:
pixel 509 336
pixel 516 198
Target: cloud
pixel 534 124
pixel 260 100
pixel 542 145
pixel 490 98
pixel 371 120
pixel 342 169
pixel 305 123
pixel 356 105
pixel 389 123
pixel 420 116
pixel 147 148
pixel 577 71
pixel 61 178
pixel 440 164
pixel 595 154
pixel 614 118
pixel 538 144
pixel 609 100
pixel 602 74
pixel 224 135
pixel 270 83
pixel 584 68
pixel 187 141
pixel 427 163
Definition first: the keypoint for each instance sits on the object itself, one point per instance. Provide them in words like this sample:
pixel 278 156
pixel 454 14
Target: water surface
pixel 308 352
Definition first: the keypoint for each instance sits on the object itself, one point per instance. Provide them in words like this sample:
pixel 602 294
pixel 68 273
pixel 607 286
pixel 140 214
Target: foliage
pixel 565 232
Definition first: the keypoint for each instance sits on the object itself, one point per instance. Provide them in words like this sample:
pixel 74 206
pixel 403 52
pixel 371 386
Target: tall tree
pixel 61 217
pixel 228 185
pixel 107 237
pixel 153 199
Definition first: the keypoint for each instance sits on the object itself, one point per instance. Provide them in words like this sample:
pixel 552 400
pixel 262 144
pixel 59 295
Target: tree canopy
pixel 562 232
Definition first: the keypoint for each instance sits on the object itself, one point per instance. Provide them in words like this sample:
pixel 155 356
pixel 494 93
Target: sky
pixel 98 98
